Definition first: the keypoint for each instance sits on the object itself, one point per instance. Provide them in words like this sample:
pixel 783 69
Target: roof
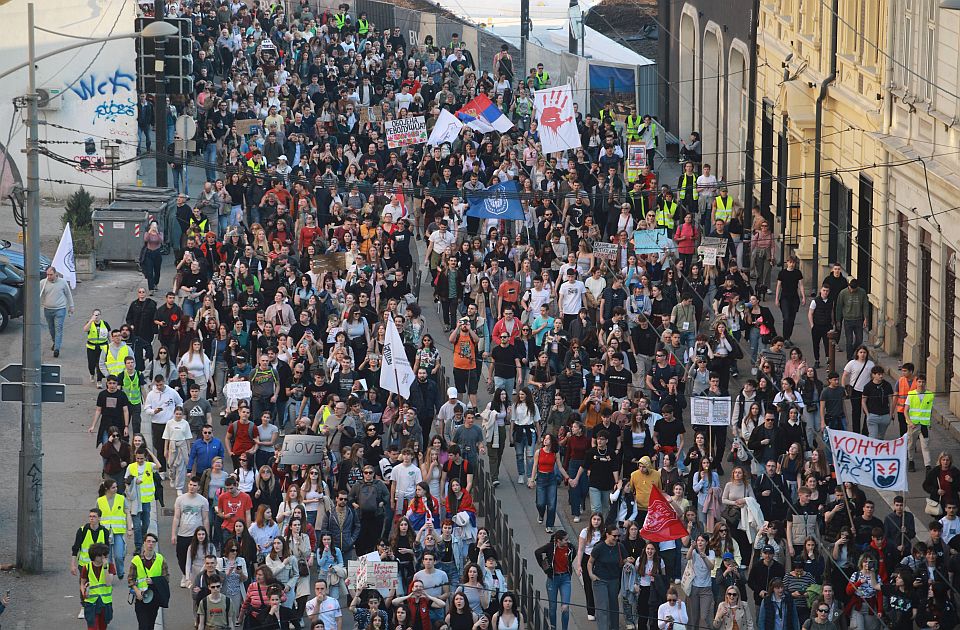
pixel 597 46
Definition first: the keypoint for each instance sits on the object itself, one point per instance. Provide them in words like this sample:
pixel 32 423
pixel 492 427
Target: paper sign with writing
pixel 365 573
pixel 405 131
pixel 302 449
pixel 649 241
pixel 606 251
pixel 710 411
pixel 238 390
pixel 865 461
pixel 246 127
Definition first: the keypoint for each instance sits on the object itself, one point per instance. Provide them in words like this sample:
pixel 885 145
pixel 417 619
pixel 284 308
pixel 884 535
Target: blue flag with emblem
pixel 497 202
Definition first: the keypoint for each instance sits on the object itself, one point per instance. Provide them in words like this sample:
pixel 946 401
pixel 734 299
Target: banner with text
pixel 606 251
pixel 405 131
pixel 712 411
pixel 880 464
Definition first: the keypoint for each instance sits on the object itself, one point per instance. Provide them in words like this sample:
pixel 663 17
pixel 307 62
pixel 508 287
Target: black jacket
pixel 141 316
pixel 545 555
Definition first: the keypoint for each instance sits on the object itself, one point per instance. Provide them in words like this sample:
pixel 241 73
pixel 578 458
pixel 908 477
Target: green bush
pixel 78 212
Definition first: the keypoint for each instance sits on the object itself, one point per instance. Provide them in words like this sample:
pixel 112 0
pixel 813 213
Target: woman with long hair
pixel 315 497
pixel 255 609
pixel 330 565
pixel 235 571
pixel 266 488
pixel 509 617
pixel 291 500
pixel 700 599
pixel 178 439
pixel 200 547
pixel 734 498
pixel 299 544
pixel 472 588
pixel 198 364
pixel 285 569
pixel 246 545
pixel 706 481
pixel 497 416
pixel 526 418
pixel 423 509
pixel 589 537
pixel 545 477
pixel 403 541
pixel 652 580
pixel 264 529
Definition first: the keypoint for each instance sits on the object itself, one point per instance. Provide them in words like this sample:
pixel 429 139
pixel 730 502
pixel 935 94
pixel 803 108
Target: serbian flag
pixel 482 115
pixel 401 199
pixel 661 523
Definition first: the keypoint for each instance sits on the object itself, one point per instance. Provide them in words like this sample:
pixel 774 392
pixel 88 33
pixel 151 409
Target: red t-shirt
pixel 234 507
pixel 561 561
pixel 242 436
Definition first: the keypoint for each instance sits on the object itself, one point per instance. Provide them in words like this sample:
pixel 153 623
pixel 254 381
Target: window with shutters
pixel 905 45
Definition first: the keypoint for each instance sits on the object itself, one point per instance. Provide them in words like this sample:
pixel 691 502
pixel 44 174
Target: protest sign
pixel 636 160
pixel 249 126
pixel 649 241
pixel 865 461
pixel 711 248
pixel 710 411
pixel 365 573
pixel 333 263
pixel 238 390
pixel 302 449
pixel 405 131
pixel 606 251
pixel 709 254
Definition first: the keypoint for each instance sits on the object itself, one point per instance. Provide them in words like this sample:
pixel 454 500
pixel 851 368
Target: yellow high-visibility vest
pixel 114 519
pixel 724 210
pixel 155 570
pixel 633 124
pixel 920 407
pixel 363 27
pixel 115 362
pixel 147 489
pixel 683 186
pixel 665 214
pixel 83 556
pixel 98 336
pixel 97 587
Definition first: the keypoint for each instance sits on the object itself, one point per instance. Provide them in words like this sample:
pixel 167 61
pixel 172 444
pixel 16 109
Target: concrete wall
pixel 99 99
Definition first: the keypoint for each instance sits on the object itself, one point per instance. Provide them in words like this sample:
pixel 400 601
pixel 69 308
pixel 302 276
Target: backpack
pixel 367 499
pixel 236 426
pixel 226 602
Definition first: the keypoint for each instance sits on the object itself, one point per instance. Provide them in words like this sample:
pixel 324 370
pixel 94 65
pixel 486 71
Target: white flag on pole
pixel 396 375
pixel 555 119
pixel 63 260
pixel 866 461
pixel 446 129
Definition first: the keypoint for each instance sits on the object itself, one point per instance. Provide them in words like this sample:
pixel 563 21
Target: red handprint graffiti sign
pixel 555 118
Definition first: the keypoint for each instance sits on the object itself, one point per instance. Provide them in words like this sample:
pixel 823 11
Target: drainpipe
pixel 883 187
pixel 751 117
pixel 818 141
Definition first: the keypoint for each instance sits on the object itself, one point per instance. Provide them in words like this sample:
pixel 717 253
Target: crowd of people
pixel 310 235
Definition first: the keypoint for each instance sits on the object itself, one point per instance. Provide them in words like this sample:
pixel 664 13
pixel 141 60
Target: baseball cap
pixel 451 392
pixel 282 157
pixel 767 549
pixel 573 365
pixel 728 556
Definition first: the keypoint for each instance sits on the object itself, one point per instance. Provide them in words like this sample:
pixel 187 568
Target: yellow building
pixel 918 227
pixel 796 64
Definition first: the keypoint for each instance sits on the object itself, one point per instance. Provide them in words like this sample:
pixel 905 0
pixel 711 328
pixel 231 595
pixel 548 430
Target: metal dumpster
pixel 159 202
pixel 118 235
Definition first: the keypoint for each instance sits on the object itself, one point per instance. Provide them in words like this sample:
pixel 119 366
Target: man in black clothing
pixel 864 524
pixel 763 570
pixel 879 403
pixel 821 320
pixel 168 317
pixel 618 379
pixel 602 466
pixel 570 383
pixel 141 315
pixel 771 492
pixel 900 527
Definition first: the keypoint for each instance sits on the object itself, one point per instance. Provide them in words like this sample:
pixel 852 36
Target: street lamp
pixel 30 501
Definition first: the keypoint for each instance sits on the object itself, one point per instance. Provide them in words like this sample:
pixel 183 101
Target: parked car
pixel 11 293
pixel 14 254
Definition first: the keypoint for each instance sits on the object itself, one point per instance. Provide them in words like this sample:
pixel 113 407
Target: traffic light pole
pixel 160 107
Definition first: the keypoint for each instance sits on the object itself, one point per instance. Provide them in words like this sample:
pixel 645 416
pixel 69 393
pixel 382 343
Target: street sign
pixel 13 372
pixel 49 392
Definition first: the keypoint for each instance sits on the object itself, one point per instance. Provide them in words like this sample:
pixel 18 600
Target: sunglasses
pixel 732 594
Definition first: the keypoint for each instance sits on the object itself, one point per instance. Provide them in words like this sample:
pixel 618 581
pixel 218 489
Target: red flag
pixel 661 523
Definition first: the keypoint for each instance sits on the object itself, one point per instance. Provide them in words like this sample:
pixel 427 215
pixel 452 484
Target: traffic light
pixel 175 65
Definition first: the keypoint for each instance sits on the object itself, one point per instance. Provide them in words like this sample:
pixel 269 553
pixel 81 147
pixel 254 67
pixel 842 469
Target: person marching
pixel 917 409
pixel 93 533
pixel 141 486
pixel 112 356
pixel 115 517
pixel 98 336
pixel 96 588
pixel 149 579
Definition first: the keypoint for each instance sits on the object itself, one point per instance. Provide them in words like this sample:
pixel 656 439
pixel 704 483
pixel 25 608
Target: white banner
pixel 396 375
pixel 238 390
pixel 555 119
pixel 865 461
pixel 710 411
pixel 606 251
pixel 446 129
pixel 405 131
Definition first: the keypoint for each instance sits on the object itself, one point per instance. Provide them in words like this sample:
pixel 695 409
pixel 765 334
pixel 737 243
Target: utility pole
pixel 30 497
pixel 524 35
pixel 160 107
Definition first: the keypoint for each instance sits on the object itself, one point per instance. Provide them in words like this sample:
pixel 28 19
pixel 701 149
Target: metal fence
pixel 514 563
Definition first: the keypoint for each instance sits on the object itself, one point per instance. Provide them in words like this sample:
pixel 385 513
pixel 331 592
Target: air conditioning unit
pixel 49 99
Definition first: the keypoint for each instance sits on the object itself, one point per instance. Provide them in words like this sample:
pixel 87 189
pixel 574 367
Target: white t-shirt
pixel 571 297
pixel 433 583
pixel 442 241
pixel 537 298
pixel 854 368
pixel 707 184
pixel 406 478
pixel 950 528
pixel 327 611
pixel 177 431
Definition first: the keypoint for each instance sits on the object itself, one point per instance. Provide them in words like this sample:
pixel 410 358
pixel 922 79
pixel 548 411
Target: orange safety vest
pixel 904 387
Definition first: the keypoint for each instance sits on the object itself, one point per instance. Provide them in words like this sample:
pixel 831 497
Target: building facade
pixel 710 89
pixel 918 228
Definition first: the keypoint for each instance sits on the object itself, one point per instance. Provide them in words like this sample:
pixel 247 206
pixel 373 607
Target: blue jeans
pixel 141 523
pixel 507 384
pixel 189 307
pixel 578 495
pixel 606 593
pixel 547 497
pixel 144 134
pixel 754 344
pixel 599 500
pixel 524 449
pixel 210 159
pixel 118 549
pixel 55 317
pixel 559 585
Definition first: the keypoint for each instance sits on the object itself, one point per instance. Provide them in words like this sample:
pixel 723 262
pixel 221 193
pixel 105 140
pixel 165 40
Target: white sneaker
pixel 496 482
pixel 591 618
pixel 183 582
pixel 520 480
pixel 80 614
pixel 576 519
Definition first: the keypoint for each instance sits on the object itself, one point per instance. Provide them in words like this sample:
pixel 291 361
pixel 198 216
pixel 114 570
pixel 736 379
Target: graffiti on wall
pixel 94 85
pixel 111 110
